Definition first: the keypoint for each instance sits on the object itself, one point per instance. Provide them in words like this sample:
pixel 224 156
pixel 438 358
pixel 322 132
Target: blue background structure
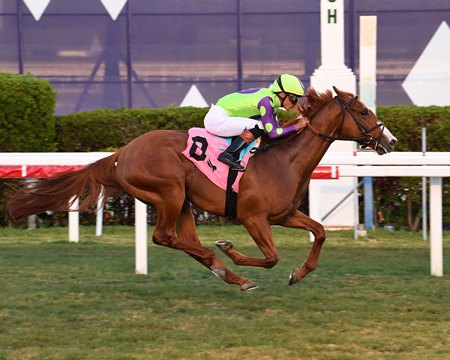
pixel 157 49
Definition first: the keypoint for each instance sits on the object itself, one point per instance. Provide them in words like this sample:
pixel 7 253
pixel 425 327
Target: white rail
pixel 432 165
pixel 44 158
pixel 395 158
pixel 358 164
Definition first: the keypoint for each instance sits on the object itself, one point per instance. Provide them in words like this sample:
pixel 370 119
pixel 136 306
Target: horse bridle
pixel 365 140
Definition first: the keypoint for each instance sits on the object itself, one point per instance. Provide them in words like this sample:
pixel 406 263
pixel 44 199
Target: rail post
pixel 436 242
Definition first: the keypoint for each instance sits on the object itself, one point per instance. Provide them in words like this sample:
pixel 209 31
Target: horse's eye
pixel 364 112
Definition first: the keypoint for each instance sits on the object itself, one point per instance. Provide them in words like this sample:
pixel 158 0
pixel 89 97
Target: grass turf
pixel 368 299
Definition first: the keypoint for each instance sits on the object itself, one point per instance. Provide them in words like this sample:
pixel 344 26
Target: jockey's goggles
pixel 293 98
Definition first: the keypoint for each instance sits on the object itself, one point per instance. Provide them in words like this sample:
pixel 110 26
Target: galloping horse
pixel 152 169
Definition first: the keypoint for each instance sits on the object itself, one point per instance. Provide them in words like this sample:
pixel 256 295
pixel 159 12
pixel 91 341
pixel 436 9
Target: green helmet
pixel 289 84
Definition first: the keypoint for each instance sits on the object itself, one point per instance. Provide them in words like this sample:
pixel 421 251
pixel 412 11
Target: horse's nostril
pixel 393 142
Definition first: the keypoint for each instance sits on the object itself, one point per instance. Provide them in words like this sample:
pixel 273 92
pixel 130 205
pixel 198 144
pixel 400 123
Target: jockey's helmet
pixel 289 84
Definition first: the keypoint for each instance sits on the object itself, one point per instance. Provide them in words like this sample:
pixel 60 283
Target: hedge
pixel 406 123
pixel 27 106
pixel 400 199
pixel 28 124
pixel 107 130
pixel 104 130
pixel 110 129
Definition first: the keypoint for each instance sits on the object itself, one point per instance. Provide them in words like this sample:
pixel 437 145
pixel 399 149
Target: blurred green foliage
pixel 400 199
pixel 27 106
pixel 106 129
pixel 28 125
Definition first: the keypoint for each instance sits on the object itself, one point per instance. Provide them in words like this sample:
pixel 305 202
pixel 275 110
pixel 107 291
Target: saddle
pixel 203 148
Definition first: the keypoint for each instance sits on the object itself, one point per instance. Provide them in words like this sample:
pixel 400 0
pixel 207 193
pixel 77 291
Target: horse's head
pixel 360 124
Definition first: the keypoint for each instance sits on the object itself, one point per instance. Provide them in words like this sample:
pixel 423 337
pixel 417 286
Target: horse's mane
pixel 315 101
pixel 311 104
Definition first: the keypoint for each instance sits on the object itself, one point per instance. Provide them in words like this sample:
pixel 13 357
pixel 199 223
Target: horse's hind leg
pixel 179 232
pixel 302 221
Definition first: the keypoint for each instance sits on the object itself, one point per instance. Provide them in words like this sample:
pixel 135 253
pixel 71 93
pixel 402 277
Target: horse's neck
pixel 309 152
pixel 310 148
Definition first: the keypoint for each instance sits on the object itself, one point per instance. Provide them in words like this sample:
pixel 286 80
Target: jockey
pixel 249 113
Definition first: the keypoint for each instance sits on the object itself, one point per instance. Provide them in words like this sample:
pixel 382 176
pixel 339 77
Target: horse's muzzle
pixel 387 142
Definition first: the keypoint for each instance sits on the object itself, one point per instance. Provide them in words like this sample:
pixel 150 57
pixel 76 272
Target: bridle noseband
pixel 365 140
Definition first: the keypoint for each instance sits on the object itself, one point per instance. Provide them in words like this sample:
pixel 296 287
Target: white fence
pixel 357 164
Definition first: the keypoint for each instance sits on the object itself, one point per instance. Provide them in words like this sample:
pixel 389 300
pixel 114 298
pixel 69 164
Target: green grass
pixel 368 299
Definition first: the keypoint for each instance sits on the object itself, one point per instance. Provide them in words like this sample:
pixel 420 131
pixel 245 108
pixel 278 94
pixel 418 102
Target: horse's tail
pixel 59 193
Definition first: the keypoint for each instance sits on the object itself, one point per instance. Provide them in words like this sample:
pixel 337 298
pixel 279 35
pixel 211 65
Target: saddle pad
pixel 203 149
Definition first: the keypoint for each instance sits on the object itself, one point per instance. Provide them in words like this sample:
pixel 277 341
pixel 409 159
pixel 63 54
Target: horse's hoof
pixel 219 273
pixel 224 245
pixel 249 285
pixel 293 277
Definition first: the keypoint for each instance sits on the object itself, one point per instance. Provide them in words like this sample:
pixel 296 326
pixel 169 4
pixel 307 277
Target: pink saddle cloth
pixel 203 149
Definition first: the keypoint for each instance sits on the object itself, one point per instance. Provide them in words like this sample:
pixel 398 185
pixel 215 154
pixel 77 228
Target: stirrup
pixel 227 158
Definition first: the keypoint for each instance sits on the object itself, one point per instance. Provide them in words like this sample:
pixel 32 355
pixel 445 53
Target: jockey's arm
pixel 270 123
pixel 299 122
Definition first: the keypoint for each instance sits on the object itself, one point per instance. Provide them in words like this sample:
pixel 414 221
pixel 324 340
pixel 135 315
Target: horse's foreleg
pixel 185 238
pixel 302 221
pixel 260 231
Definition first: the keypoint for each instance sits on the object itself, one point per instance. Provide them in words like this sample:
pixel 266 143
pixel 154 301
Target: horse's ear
pixel 336 90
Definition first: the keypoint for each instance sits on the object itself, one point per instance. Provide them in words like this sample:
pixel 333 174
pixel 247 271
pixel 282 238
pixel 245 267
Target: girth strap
pixel 231 195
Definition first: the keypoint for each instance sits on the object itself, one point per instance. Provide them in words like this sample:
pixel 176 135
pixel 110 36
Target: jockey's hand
pixel 302 105
pixel 301 123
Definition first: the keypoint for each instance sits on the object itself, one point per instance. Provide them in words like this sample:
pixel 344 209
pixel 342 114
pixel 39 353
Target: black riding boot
pixel 227 156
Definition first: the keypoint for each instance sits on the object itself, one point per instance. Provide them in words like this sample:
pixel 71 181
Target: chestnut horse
pixel 152 169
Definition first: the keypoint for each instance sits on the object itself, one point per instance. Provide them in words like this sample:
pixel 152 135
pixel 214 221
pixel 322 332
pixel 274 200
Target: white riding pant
pixel 218 122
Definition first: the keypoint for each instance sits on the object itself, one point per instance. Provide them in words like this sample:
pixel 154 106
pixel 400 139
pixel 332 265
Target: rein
pixel 365 140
